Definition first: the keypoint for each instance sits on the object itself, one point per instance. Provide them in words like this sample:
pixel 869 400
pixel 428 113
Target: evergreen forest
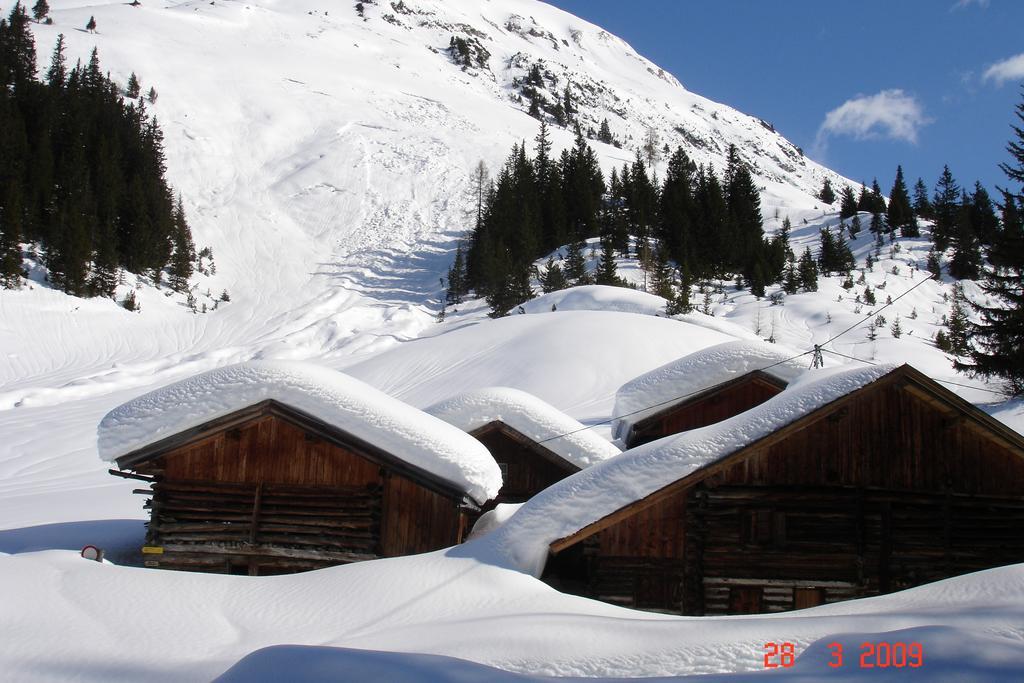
pixel 82 175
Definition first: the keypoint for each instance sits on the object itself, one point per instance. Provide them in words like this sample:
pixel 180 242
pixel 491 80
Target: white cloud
pixel 1009 69
pixel 961 4
pixel 889 114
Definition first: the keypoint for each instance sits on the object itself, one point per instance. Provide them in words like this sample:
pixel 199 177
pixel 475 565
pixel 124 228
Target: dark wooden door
pixel 808 597
pixel 746 600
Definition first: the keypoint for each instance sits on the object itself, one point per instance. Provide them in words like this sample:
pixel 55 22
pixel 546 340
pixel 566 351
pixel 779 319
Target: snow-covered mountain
pixel 325 158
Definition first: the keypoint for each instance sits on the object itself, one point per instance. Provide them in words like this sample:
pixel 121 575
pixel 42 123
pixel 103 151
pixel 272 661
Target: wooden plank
pixel 255 513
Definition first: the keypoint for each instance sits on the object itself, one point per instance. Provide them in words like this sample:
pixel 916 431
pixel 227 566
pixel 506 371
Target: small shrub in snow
pixel 896 329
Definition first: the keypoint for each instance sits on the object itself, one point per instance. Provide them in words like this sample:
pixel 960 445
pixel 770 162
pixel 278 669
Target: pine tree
pixel 877 227
pixel 900 213
pixel 151 96
pixel 827 194
pixel 604 134
pixel 40 10
pixel 607 271
pixel 864 202
pixel 456 279
pixel 57 74
pixel 534 109
pixel 91 26
pixel 835 255
pixel 934 265
pixel 869 296
pixel 848 205
pixel 130 303
pixel 872 334
pixel 982 215
pixel 10 235
pixel 808 271
pixel 896 329
pixel 134 87
pixel 677 209
pixel 104 277
pixel 999 351
pixel 922 205
pixel 745 227
pixel 877 200
pixel 184 254
pixel 958 325
pixel 553 278
pixel 965 262
pixel 17 49
pixel 576 263
pixel 662 278
pixel 790 280
pixel 945 210
pixel 680 303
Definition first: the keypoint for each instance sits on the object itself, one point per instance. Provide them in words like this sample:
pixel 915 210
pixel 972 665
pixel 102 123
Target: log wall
pixel 526 471
pixel 885 492
pixel 266 496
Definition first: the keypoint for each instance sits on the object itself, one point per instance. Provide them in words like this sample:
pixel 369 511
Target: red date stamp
pixel 881 655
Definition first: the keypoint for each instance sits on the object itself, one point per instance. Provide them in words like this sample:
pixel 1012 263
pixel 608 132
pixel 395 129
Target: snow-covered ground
pixel 68 618
pixel 325 159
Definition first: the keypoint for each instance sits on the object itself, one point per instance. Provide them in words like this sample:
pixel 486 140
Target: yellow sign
pixel 152 550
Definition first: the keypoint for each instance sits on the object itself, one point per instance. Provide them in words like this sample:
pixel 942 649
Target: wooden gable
pixel 708 407
pixel 269 489
pixel 897 484
pixel 527 467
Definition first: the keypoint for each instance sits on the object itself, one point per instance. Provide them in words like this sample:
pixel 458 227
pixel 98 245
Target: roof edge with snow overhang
pixel 687 378
pixel 530 416
pixel 384 427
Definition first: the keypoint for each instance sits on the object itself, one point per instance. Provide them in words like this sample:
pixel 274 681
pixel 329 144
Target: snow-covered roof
pixel 594 493
pixel 351 406
pixel 530 416
pixel 685 377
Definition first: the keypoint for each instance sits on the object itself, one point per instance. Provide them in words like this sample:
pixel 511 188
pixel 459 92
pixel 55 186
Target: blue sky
pixel 861 87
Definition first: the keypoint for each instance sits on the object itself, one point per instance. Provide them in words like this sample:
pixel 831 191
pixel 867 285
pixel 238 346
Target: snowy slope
pixel 325 160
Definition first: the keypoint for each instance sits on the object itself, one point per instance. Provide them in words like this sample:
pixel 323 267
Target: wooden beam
pixel 132 475
pixel 254 525
pixel 268 551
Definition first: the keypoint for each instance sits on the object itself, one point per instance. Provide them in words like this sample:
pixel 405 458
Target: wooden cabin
pixel 707 407
pixel 534 443
pixel 702 388
pixel 527 467
pixel 895 484
pixel 270 489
